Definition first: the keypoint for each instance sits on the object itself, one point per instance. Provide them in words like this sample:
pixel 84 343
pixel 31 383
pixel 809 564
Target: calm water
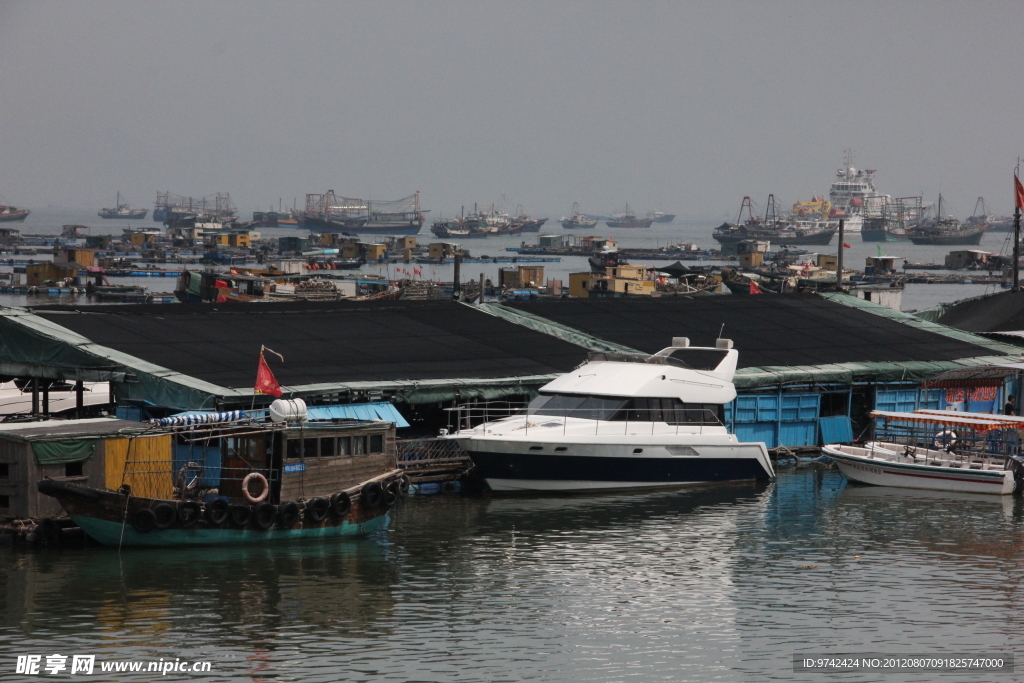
pixel 916 297
pixel 721 583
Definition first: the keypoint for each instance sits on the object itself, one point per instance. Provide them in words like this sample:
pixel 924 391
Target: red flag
pixel 1019 192
pixel 266 383
pixel 754 289
pixel 847 245
pixel 417 271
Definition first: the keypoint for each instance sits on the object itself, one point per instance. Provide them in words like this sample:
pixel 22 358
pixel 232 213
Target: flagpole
pixel 253 406
pixel 839 258
pixel 1016 228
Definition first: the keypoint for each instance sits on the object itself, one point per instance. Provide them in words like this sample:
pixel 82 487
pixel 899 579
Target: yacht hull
pixel 510 471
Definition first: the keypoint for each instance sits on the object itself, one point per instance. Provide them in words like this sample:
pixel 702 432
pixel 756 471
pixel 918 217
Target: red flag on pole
pixel 1019 192
pixel 754 289
pixel 266 383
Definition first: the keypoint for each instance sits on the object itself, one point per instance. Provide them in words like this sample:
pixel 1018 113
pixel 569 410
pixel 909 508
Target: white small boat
pixel 937 450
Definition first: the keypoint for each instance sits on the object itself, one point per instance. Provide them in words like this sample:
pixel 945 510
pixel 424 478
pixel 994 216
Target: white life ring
pixel 945 438
pixel 264 488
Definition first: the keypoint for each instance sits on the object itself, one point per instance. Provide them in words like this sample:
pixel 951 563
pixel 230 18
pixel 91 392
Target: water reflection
pixel 707 583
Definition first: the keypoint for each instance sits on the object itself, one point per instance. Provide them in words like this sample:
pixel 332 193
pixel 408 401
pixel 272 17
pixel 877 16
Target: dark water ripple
pixel 720 583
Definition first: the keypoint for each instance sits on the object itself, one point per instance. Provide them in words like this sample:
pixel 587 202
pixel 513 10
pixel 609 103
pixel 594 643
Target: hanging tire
pixel 288 514
pixel 144 520
pixel 318 509
pixel 403 485
pixel 263 516
pixel 341 504
pixel 166 514
pixel 241 515
pixel 372 495
pixel 189 513
pixel 217 512
pixel 391 494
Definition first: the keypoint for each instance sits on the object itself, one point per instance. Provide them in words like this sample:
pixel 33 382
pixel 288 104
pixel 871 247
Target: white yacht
pixel 623 421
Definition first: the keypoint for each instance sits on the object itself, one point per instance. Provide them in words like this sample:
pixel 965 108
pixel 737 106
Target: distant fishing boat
pixel 660 216
pixel 945 231
pixel 12 214
pixel 773 229
pixel 175 209
pixel 123 211
pixel 577 219
pixel 330 213
pixel 529 224
pixel 891 224
pixel 628 219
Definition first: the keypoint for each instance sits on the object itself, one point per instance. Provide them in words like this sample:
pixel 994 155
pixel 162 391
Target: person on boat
pixel 1010 408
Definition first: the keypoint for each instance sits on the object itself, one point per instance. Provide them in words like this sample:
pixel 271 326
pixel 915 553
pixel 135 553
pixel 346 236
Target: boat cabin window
pixel 358 445
pixel 672 411
pixel 621 409
pixel 344 445
pixel 377 443
pixel 583 407
pixel 327 447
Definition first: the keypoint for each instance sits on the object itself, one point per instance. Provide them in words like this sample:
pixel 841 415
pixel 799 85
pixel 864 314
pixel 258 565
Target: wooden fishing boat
pixel 938 450
pixel 231 480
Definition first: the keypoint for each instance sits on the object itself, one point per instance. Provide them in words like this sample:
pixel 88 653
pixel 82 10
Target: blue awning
pixel 358 411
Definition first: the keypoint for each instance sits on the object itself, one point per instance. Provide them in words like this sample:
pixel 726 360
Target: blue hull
pixel 109 533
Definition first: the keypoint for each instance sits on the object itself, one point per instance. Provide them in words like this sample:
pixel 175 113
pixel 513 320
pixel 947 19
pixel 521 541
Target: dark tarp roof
pixel 1001 312
pixel 781 329
pixel 324 342
pixel 677 269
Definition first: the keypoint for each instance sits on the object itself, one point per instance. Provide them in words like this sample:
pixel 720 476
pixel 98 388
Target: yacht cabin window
pixel 621 409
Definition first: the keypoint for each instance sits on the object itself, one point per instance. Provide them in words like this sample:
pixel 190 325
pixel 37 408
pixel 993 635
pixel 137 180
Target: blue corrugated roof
pixel 358 411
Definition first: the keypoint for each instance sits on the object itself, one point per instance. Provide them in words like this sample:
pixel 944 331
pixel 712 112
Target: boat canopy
pixel 978 422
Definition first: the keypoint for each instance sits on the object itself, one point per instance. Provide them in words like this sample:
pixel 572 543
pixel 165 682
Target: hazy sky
pixel 683 106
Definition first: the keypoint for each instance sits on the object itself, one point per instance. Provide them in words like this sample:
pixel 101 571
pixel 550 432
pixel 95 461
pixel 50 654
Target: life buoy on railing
pixel 945 438
pixel 264 488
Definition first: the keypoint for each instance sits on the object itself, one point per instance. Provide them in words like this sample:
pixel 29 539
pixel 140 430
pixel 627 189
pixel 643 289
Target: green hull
pixel 110 533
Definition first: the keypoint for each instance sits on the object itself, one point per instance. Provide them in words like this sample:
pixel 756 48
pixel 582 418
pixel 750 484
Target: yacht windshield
pixel 568 405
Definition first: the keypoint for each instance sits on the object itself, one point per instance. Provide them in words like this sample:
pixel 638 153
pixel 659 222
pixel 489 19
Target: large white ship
pixel 853 195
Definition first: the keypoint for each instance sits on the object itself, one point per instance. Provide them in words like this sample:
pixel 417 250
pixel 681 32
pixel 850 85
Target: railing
pixel 618 421
pixel 429 460
pixel 958 442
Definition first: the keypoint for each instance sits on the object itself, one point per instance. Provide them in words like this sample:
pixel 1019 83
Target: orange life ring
pixel 264 490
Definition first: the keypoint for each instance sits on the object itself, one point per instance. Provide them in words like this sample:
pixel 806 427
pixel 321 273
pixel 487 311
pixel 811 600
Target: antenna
pixel 720 330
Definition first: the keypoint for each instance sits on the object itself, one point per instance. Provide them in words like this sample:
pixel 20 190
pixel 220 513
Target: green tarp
pixel 63 452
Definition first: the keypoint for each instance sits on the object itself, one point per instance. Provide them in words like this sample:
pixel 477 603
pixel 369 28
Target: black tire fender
pixel 189 513
pixel 341 504
pixel 288 514
pixel 166 514
pixel 372 495
pixel 241 515
pixel 144 520
pixel 217 512
pixel 263 516
pixel 318 509
pixel 392 493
